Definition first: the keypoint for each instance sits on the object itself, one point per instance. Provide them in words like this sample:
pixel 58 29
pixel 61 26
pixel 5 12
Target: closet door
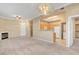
pixel 76 30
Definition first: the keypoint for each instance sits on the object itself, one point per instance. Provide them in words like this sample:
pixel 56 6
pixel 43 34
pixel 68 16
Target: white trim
pixel 70 30
pixel 64 5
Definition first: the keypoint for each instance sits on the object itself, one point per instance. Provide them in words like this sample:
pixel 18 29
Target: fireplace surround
pixel 4 36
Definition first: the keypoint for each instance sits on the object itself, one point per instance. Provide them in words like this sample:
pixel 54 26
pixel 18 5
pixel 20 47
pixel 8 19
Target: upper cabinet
pixel 46 26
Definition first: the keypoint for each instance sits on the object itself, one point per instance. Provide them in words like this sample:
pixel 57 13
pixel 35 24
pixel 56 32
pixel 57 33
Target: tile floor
pixel 31 46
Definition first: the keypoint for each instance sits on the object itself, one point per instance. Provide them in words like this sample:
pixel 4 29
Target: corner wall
pixel 10 26
pixel 13 27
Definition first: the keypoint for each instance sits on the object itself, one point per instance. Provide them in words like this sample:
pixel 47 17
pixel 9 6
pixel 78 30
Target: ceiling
pixel 27 10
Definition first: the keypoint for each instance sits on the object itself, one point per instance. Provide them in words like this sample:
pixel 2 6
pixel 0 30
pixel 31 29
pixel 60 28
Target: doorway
pixel 72 30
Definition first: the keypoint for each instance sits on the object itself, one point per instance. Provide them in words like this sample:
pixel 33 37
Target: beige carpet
pixel 31 46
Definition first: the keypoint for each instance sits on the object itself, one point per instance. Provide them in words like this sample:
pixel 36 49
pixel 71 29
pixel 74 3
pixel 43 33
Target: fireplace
pixel 4 36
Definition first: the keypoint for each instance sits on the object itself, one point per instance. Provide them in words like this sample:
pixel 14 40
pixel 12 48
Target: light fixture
pixel 44 8
pixel 18 17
